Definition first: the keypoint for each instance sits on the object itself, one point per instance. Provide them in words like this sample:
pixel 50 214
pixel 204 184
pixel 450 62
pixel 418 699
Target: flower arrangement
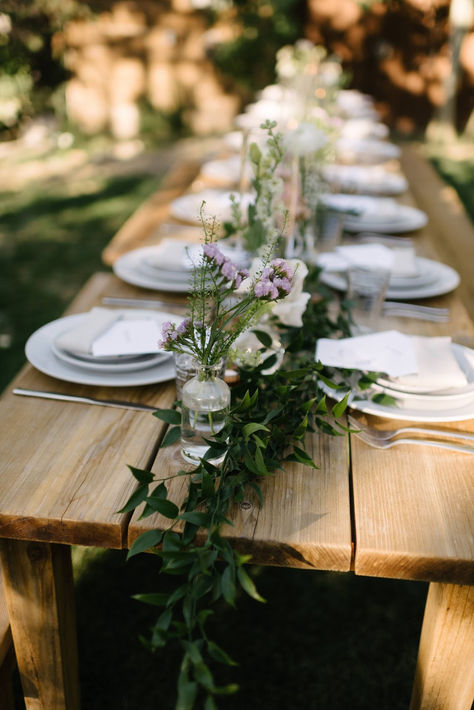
pixel 219 310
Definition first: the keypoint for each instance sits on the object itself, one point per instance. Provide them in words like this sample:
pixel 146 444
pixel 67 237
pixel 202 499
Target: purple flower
pixel 213 253
pixel 282 267
pixel 283 284
pixel 184 325
pixel 261 288
pixel 229 270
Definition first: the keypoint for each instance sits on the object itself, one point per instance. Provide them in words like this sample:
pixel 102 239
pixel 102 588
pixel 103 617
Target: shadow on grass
pixel 49 246
pixel 322 641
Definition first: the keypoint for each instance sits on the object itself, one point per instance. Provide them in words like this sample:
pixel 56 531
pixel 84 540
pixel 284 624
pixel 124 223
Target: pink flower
pixel 213 253
pixel 229 270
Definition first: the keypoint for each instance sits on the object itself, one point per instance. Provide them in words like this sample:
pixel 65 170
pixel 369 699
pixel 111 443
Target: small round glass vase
pixel 205 402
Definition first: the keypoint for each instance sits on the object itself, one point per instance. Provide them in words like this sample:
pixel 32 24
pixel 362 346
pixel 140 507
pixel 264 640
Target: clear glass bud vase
pixel 205 402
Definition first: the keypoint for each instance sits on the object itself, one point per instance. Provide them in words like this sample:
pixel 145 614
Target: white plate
pixel 375 214
pixel 366 180
pixel 40 354
pixel 409 219
pixel 225 172
pixel 188 207
pixel 366 151
pixel 419 410
pixel 137 363
pixel 130 268
pixel 445 279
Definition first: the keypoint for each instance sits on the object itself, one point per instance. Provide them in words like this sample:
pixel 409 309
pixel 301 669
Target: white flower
pixel 291 308
pixel 305 139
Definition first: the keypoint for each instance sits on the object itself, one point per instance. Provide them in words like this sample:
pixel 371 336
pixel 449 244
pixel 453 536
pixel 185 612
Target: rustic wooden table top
pixel 402 513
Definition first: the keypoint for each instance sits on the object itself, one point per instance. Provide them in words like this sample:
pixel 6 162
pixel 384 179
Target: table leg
pixel 444 678
pixel 40 598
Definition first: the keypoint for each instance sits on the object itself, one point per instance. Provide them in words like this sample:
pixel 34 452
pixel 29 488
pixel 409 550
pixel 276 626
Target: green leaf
pixel 135 499
pixel 218 654
pixel 303 457
pixel 262 469
pixel 141 475
pixel 187 692
pixel 321 407
pixel 255 153
pixel 385 399
pixel 264 337
pixel 203 676
pixel 164 620
pixel 170 416
pixel 163 506
pixel 154 598
pixel 228 585
pixel 247 585
pixel 146 541
pixel 210 703
pixel 200 519
pixel 251 428
pixel 339 408
pixel 172 435
pixel 193 651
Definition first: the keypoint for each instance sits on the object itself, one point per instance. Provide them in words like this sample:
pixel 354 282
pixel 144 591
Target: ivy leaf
pixel 154 598
pixel 135 499
pixel 200 519
pixel 218 654
pixel 147 540
pixel 247 585
pixel 251 428
pixel 170 416
pixel 187 692
pixel 172 435
pixel 228 585
pixel 163 506
pixel 204 676
pixel 141 475
pixel 339 408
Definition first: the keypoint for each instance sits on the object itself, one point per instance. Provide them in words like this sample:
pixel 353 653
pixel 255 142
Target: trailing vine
pixel 265 428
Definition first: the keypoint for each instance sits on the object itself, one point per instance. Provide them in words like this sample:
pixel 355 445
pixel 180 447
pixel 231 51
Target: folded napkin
pixel 104 332
pixel 389 351
pixel 417 362
pixel 401 261
pixel 171 255
pixel 437 366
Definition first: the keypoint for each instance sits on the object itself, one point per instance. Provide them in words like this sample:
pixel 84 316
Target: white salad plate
pixel 366 151
pixel 41 354
pixel 458 405
pixel 225 172
pixel 442 279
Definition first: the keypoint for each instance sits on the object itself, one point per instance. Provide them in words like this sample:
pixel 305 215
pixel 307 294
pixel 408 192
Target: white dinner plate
pixel 445 279
pixel 366 180
pixel 39 353
pixel 130 268
pixel 188 207
pixel 226 171
pixel 415 410
pixel 368 213
pixel 140 362
pixel 409 219
pixel 366 151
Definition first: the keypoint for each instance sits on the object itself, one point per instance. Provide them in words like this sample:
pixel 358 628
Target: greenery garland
pixel 266 426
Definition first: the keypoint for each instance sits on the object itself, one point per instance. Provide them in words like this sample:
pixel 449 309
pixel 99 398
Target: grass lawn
pixel 323 641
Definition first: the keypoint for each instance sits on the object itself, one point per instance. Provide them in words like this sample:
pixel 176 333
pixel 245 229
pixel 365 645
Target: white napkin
pixel 389 351
pixel 171 255
pixel 401 261
pixel 437 367
pixel 128 337
pixel 117 332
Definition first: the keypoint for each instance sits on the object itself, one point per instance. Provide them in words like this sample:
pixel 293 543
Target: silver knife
pixel 142 303
pixel 85 400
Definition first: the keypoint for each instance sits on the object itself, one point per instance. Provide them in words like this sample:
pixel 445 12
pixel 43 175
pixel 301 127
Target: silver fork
pixel 437 315
pixel 387 438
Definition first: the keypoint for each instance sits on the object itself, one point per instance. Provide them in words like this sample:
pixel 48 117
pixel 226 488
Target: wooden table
pixel 404 513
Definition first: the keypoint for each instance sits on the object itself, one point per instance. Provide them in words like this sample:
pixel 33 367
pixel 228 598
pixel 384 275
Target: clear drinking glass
pixel 324 233
pixel 367 287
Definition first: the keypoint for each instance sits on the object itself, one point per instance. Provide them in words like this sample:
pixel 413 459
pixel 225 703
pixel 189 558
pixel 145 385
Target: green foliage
pixel 265 26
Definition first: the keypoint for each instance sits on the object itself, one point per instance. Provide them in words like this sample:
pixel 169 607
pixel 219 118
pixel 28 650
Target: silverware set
pixel 386 439
pixel 411 310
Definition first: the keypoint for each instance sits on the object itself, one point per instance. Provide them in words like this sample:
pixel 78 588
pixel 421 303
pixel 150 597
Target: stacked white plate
pixel 413 399
pixel 43 351
pixel 218 204
pixel 431 279
pixel 365 213
pixel 366 151
pixel 364 179
pixel 225 172
pixel 168 266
